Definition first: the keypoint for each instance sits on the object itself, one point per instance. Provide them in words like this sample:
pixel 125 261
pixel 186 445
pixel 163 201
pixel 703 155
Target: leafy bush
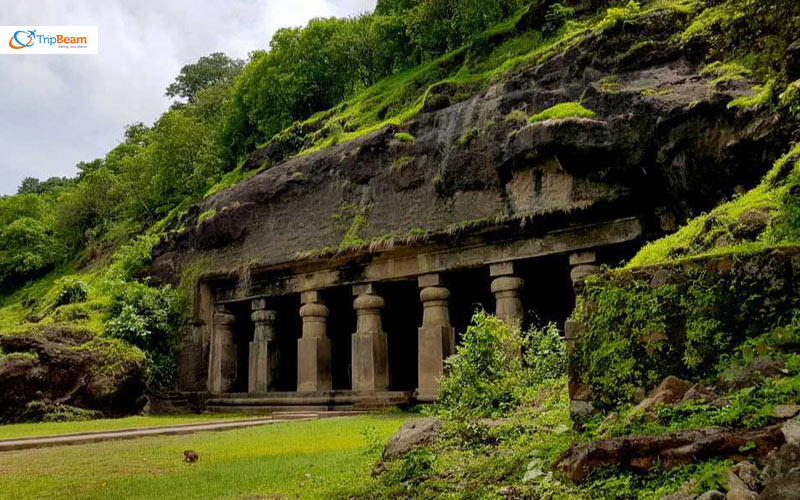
pixel 555 17
pixel 417 465
pixel 71 291
pixel 496 365
pixel 132 258
pixel 27 249
pixel 148 318
pixel 620 16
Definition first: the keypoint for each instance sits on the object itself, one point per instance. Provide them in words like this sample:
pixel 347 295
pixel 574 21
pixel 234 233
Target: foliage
pixel 28 247
pixel 133 257
pixel 147 317
pixel 555 17
pixel 495 366
pixel 469 136
pixel 71 291
pixel 563 110
pixel 210 70
pixel 619 17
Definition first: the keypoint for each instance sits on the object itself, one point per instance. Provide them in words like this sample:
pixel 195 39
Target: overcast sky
pixel 58 110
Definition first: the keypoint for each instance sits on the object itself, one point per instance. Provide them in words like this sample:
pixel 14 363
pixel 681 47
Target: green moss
pixel 609 85
pixel 726 72
pixel 207 215
pixel 401 162
pixel 516 116
pixel 469 136
pixel 404 137
pixel 563 110
pixel 763 95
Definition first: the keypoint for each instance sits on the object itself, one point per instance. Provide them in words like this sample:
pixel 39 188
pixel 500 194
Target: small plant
pixel 563 110
pixel 516 116
pixel 404 137
pixel 373 440
pixel 491 124
pixel 469 136
pixel 725 72
pixel 620 16
pixel 609 85
pixel 555 17
pixel 790 98
pixel 71 291
pixel 402 162
pixel 417 465
pixel 298 176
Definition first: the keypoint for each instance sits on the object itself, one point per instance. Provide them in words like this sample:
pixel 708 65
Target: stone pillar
pixel 582 264
pixel 222 358
pixel 369 347
pixel 314 348
pixel 506 288
pixel 264 352
pixel 436 338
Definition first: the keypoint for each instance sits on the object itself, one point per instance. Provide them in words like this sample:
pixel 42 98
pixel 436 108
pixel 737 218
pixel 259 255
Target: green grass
pixel 14 431
pixel 314 459
pixel 563 110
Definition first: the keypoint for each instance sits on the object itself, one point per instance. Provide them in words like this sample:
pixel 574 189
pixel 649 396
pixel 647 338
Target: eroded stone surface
pixel 418 432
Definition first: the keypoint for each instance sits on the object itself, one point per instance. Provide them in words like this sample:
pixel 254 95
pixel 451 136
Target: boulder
pixel 751 223
pixel 642 453
pixel 739 377
pixel 785 488
pixel 53 371
pixel 712 495
pixel 418 432
pixel 670 390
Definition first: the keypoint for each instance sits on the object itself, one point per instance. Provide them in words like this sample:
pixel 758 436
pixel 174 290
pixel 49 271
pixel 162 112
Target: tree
pixel 207 71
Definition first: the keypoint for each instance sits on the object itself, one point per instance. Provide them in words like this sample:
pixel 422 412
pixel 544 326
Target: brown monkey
pixel 190 456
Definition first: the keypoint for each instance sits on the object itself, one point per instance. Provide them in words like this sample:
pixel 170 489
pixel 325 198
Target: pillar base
pixel 436 343
pixel 314 365
pixel 263 366
pixel 222 369
pixel 370 363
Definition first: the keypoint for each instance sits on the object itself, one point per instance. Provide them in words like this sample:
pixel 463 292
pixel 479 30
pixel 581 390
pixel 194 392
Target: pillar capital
pixel 508 305
pixel 263 316
pixel 501 269
pixel 507 284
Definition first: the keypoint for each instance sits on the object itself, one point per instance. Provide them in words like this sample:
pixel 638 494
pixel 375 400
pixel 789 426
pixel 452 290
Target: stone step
pixel 266 409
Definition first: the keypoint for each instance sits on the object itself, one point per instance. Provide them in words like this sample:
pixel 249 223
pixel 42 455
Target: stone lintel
pixel 583 257
pixel 501 269
pixel 428 280
pixel 559 242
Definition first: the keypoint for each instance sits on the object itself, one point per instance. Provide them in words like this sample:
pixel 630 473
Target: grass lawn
pixel 308 459
pixel 14 431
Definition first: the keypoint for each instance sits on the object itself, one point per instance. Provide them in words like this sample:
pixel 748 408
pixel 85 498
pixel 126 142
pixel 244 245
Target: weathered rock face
pixel 669 450
pixel 663 145
pixel 52 367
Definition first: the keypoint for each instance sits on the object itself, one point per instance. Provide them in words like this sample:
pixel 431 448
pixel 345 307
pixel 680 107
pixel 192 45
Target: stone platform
pixel 330 401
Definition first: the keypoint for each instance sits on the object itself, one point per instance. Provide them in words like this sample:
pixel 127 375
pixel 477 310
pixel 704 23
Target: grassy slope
pixel 14 431
pixel 299 460
pixel 703 235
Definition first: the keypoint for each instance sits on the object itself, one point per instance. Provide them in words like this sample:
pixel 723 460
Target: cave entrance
pixel 243 330
pixel 341 325
pixel 401 319
pixel 288 328
pixel 470 291
pixel 548 295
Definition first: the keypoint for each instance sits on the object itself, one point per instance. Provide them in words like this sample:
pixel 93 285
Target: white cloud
pixel 58 110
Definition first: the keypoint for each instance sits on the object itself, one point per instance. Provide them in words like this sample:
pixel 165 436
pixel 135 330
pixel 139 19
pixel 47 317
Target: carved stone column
pixel 506 289
pixel 436 337
pixel 369 346
pixel 222 358
pixel 264 352
pixel 314 348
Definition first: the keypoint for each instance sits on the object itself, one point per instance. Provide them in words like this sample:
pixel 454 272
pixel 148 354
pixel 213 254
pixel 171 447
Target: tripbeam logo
pixel 15 43
pixel 50 40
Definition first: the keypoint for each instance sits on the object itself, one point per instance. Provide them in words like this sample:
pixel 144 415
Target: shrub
pixel 620 16
pixel 148 318
pixel 555 17
pixel 545 354
pixel 563 110
pixel 131 258
pixel 71 291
